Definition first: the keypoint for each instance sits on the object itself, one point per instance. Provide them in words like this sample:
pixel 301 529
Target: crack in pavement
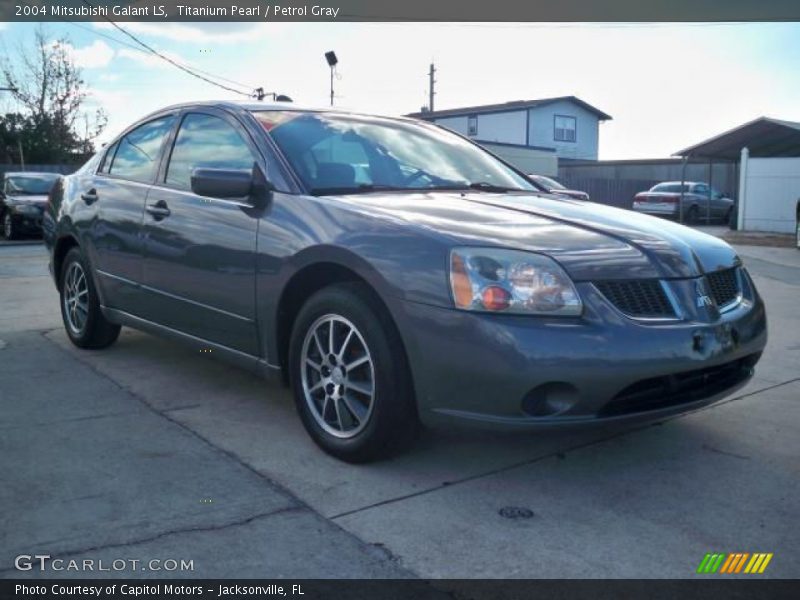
pixel 554 454
pixel 163 534
pixel 724 452
pixel 69 420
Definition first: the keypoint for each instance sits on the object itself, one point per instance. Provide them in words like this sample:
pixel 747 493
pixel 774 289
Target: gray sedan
pixel 394 273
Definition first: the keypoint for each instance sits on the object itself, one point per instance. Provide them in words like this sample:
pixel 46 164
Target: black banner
pixel 405 10
pixel 389 589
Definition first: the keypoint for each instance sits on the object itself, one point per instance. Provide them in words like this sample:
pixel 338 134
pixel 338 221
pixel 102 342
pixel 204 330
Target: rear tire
pixel 9 230
pixel 352 386
pixel 693 215
pixel 797 232
pixel 80 308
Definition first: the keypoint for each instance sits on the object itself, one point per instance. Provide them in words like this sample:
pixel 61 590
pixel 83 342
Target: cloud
pixel 201 33
pixel 94 56
pixel 150 60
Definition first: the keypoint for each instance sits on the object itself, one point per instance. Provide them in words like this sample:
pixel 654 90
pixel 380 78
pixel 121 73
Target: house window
pixel 472 125
pixel 565 129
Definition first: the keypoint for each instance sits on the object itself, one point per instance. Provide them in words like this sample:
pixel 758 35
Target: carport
pixel 767 153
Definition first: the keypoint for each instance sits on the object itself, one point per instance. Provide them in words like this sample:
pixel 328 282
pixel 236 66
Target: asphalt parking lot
pixel 150 451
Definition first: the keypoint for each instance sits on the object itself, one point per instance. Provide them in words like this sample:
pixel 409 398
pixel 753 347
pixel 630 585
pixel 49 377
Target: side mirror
pixel 222 183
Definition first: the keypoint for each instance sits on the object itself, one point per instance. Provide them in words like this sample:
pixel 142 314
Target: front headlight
pixel 511 281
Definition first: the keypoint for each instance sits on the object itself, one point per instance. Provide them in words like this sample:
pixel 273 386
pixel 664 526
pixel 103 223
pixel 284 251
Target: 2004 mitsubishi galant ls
pixel 394 273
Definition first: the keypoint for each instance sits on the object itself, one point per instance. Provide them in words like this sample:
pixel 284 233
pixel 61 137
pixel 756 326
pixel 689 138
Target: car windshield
pixel 337 154
pixel 30 184
pixel 550 184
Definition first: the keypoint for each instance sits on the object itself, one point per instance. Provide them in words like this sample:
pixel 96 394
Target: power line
pixel 138 49
pixel 168 59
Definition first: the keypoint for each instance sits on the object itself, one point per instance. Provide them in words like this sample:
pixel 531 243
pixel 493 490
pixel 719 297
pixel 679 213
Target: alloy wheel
pixel 338 376
pixel 76 298
pixel 8 227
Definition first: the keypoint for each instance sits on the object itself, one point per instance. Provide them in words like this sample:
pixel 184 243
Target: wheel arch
pixel 312 276
pixel 63 245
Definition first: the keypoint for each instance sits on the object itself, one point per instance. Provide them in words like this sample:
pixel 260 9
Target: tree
pixel 53 125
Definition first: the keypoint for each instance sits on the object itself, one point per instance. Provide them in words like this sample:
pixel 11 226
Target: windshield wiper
pixel 364 188
pixel 485 186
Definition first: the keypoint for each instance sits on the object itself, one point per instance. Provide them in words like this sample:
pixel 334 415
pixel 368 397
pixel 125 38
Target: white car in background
pixel 700 202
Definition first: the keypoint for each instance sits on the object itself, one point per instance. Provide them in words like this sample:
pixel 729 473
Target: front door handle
pixel 90 197
pixel 159 210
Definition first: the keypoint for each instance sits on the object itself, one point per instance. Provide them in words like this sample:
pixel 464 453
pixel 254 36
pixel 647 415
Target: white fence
pixel 769 190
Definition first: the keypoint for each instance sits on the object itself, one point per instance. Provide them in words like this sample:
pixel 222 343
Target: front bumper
pixel 524 371
pixel 29 224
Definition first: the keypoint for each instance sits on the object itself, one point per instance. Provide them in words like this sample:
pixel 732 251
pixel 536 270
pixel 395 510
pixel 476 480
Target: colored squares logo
pixel 735 562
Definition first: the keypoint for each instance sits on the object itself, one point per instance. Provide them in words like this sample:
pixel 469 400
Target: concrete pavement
pixel 119 446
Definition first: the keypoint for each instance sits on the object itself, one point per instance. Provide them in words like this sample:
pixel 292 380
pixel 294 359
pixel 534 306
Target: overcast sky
pixel 666 86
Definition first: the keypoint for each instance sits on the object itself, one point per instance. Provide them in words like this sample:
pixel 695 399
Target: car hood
pixel 590 240
pixel 39 200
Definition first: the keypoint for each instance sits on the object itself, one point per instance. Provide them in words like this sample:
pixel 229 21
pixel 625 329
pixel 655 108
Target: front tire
pixel 80 308
pixel 349 375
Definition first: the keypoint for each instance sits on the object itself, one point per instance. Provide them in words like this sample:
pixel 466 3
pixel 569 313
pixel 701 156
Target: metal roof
pixel 763 137
pixel 507 106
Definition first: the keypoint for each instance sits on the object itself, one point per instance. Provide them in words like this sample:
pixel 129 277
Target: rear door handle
pixel 90 197
pixel 159 210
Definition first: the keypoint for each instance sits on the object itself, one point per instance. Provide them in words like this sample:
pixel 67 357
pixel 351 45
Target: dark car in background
pixel 558 188
pixel 23 197
pixel 394 272
pixel 797 225
pixel 700 202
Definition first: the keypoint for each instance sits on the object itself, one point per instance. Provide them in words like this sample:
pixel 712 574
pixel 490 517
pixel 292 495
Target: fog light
pixel 550 399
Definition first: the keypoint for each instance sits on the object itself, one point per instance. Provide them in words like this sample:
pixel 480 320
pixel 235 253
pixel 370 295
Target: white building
pixel 768 155
pixel 532 134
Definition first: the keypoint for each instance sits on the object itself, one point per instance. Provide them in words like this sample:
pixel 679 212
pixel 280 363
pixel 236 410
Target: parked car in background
pixel 23 197
pixel 555 187
pixel 700 202
pixel 797 225
pixel 392 271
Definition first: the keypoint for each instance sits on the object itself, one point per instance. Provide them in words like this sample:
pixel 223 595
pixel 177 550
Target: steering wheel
pixel 414 176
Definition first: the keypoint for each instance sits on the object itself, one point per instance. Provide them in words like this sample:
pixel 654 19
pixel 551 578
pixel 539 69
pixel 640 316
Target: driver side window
pixel 206 141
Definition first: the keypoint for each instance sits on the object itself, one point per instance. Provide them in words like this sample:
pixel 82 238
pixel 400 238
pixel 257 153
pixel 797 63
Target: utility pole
pixel 431 85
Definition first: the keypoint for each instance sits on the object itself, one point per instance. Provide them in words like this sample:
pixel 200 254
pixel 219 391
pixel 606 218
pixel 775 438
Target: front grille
pixel 680 388
pixel 641 298
pixel 724 286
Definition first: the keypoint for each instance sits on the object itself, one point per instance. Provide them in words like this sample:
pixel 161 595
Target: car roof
pixel 254 106
pixel 683 182
pixel 31 173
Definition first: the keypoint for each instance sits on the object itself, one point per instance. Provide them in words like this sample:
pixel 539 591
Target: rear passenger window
pixel 206 141
pixel 107 158
pixel 136 157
